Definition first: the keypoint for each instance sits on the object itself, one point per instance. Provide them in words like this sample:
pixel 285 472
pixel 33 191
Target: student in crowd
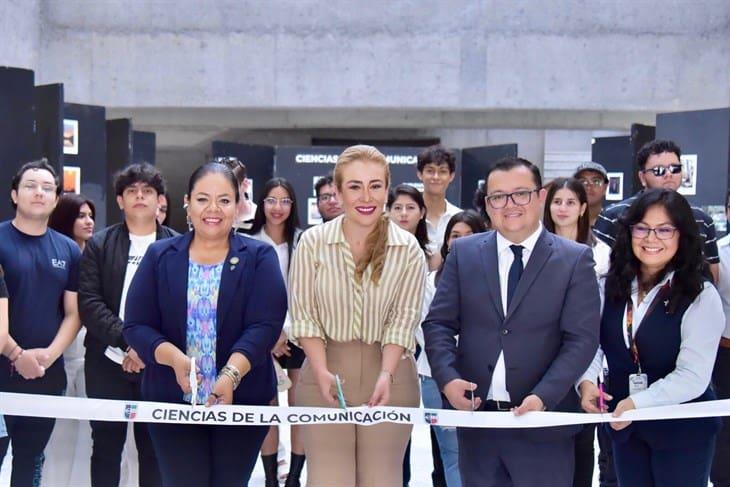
pixel 661 325
pixel 4 439
pixel 71 439
pixel 720 472
pixel 356 293
pixel 74 217
pixel 328 203
pixel 566 214
pixel 217 297
pixel 277 223
pixel 113 368
pixel 436 168
pixel 460 225
pixel 491 286
pixel 594 178
pixel 659 166
pixel 163 210
pixel 246 208
pixel 406 207
pixel 41 272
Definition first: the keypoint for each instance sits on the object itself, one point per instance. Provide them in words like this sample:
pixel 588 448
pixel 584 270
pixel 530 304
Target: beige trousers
pixel 348 455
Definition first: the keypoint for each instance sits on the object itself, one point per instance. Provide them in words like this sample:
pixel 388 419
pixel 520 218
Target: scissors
pixel 340 394
pixel 193 382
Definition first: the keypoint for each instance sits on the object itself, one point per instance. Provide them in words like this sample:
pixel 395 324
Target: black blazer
pixel 252 305
pixel 101 279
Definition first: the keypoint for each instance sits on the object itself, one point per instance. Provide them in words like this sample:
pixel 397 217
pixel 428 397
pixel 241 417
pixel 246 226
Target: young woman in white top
pixel 277 223
pixel 566 214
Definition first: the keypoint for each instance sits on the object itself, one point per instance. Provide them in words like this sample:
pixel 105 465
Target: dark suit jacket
pixel 251 310
pixel 550 332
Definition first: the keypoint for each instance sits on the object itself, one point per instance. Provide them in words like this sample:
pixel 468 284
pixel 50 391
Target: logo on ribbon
pixel 130 411
pixel 431 418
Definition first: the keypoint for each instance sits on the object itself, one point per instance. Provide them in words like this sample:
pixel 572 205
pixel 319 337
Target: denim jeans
pixel 446 436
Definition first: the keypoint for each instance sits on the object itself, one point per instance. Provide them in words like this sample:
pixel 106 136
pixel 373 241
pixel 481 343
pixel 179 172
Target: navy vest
pixel 658 340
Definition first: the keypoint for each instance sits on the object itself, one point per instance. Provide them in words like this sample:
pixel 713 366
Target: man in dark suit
pixel 524 304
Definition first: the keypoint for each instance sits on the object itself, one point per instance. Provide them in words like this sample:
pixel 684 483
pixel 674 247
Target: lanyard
pixel 633 347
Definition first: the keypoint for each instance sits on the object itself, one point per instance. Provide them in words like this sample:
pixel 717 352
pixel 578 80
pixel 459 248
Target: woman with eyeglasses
pixel 277 223
pixel 660 329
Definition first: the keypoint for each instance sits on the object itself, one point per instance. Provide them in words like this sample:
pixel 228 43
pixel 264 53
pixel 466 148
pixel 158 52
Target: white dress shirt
pixel 700 330
pixel 602 258
pixel 498 387
pixel 436 232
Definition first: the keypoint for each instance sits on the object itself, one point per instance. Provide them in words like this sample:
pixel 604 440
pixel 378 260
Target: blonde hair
pixel 378 238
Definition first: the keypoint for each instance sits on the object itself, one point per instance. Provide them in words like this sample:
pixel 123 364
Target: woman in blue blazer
pixel 217 297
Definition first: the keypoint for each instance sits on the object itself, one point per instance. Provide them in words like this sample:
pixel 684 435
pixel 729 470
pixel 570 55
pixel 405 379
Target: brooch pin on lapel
pixel 233 261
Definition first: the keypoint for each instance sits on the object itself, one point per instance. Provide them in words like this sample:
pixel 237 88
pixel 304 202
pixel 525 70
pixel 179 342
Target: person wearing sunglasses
pixel 661 324
pixel 659 166
pixel 277 223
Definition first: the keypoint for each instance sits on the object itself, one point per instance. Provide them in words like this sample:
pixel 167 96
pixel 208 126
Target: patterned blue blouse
pixel 203 285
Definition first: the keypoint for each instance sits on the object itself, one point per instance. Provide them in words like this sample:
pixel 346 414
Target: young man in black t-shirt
pixel 41 272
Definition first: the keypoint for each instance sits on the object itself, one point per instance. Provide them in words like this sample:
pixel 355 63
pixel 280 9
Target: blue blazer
pixel 252 305
pixel 549 334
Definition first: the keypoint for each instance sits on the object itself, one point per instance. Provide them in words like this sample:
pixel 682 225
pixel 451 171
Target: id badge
pixel 638 383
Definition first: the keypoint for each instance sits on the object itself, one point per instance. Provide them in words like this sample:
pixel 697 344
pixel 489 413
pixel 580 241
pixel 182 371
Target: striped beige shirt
pixel 326 302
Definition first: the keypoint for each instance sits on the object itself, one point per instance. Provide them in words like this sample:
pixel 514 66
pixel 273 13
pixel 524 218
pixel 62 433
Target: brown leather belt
pixel 725 342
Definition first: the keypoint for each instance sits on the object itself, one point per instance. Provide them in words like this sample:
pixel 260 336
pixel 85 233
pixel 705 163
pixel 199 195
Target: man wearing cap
pixel 659 166
pixel 595 180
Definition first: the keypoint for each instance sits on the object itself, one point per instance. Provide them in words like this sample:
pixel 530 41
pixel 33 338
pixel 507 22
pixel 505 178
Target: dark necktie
pixel 515 272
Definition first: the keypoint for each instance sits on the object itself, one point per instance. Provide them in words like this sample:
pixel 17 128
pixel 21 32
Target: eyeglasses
pixel 519 198
pixel 592 182
pixel 271 201
pixel 662 233
pixel 326 197
pixel 660 171
pixel 46 188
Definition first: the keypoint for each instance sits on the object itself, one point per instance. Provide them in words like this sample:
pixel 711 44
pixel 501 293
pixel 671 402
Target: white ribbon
pixel 156 412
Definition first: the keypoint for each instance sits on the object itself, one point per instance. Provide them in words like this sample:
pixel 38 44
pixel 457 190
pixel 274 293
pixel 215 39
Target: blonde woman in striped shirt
pixel 356 288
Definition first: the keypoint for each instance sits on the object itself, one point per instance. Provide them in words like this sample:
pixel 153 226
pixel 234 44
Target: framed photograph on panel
pixel 615 190
pixel 313 216
pixel 71 137
pixel 689 175
pixel 71 179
